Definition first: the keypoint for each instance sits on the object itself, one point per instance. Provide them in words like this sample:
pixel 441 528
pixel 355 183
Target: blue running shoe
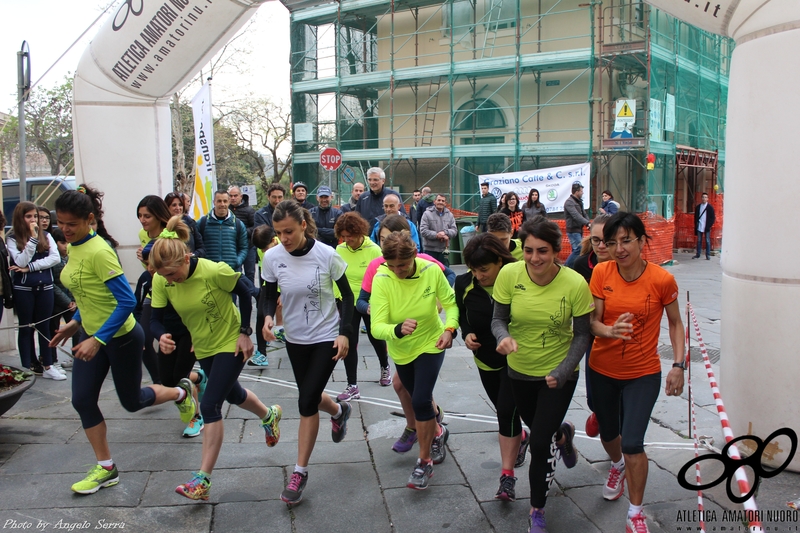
pixel 258 359
pixel 201 387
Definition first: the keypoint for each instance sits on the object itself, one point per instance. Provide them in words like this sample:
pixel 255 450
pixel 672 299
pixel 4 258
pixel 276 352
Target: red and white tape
pixel 741 476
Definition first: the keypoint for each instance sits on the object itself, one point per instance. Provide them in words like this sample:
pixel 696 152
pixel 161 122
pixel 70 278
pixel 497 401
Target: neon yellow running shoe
pixel 270 425
pixel 187 407
pixel 197 489
pixel 96 479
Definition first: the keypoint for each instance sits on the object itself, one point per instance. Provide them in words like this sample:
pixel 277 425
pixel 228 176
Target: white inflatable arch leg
pixel 761 266
pixel 125 78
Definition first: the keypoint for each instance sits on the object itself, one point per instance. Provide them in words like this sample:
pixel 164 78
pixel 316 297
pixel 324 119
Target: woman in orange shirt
pixel 630 297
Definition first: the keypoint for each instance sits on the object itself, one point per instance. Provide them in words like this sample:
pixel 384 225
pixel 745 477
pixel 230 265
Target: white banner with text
pixel 553 184
pixel 205 181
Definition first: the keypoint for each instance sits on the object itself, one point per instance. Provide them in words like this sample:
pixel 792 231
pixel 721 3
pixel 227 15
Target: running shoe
pixel 97 478
pixel 506 491
pixel 439 414
pixel 438 451
pixel 37 368
pixel 258 359
pixel 386 377
pixel 293 493
pixel 406 441
pixel 201 387
pixel 339 425
pixel 58 367
pixel 364 330
pixel 350 393
pixel 615 484
pixel 280 335
pixel 270 425
pixel 592 426
pixel 636 524
pixel 536 522
pixel 187 406
pixel 197 489
pixel 522 454
pixel 66 364
pixel 423 472
pixel 194 428
pixel 568 452
pixel 52 373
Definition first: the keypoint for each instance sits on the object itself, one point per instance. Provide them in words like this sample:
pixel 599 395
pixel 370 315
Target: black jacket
pixel 710 216
pixel 475 310
pixel 325 219
pixel 5 277
pixel 264 216
pixel 246 214
pixel 370 205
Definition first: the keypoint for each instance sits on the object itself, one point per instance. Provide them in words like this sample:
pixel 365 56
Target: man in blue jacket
pixel 225 236
pixel 325 217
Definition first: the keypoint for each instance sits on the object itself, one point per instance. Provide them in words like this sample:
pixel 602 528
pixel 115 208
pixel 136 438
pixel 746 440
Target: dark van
pixel 41 191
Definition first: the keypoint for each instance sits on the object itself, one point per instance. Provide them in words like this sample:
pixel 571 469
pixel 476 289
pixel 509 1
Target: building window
pixel 481 114
pixel 462 18
pixel 500 14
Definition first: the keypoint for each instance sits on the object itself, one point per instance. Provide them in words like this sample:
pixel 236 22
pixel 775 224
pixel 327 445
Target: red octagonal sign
pixel 330 159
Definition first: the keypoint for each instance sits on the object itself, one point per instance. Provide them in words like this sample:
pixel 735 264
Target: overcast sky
pixel 51 26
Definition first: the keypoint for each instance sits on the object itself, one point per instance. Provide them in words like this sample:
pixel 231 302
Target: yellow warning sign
pixel 625 111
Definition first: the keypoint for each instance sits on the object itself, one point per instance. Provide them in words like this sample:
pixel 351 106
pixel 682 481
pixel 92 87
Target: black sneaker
pixel 438 451
pixel 293 493
pixel 523 449
pixel 506 491
pixel 37 368
pixel 339 425
pixel 568 453
pixel 420 476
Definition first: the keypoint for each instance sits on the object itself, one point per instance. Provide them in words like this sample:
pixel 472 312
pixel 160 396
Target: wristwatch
pixel 680 365
pixel 246 331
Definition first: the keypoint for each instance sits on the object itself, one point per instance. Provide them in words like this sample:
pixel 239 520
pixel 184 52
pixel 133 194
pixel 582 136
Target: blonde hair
pixel 170 250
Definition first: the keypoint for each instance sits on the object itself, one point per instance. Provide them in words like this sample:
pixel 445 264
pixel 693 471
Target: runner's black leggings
pixel 543 410
pixel 633 398
pixel 419 378
pixel 351 361
pixel 497 385
pixel 123 355
pixel 177 365
pixel 312 365
pixel 223 372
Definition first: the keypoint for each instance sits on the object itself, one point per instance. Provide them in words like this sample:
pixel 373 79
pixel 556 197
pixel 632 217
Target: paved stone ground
pixel 359 484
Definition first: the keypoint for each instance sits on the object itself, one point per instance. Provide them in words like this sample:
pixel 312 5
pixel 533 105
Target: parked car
pixel 42 190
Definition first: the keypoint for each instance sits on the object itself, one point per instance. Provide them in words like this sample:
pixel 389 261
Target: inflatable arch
pixel 150 48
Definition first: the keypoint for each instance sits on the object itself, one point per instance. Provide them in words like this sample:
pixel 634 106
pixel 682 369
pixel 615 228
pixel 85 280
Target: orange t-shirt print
pixel 646 298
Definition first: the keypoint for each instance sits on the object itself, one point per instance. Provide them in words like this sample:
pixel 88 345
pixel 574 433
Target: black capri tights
pixel 542 409
pixel 351 361
pixel 419 378
pixel 497 385
pixel 123 355
pixel 223 372
pixel 177 365
pixel 623 407
pixel 312 365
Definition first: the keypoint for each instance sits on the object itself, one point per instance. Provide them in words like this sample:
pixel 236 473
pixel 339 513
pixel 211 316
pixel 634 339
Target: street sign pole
pixel 23 92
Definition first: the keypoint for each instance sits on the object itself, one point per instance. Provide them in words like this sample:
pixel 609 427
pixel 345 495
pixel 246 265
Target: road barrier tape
pixel 741 475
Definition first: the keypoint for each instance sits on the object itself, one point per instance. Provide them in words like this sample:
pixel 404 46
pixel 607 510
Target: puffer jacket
pixel 486 208
pixel 225 240
pixel 245 213
pixel 432 223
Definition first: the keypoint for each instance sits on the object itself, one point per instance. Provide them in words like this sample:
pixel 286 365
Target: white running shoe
pixel 615 484
pixel 52 373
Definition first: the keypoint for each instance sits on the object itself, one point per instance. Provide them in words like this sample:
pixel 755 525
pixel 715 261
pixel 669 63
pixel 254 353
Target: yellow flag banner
pixel 205 180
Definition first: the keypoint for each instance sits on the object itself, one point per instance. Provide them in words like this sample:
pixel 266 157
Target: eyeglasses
pixel 44 217
pixel 625 243
pixel 596 241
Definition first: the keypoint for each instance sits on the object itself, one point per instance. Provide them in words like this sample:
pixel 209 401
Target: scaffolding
pixel 438 93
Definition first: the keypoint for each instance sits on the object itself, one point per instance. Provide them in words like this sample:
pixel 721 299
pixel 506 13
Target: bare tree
pixel 263 127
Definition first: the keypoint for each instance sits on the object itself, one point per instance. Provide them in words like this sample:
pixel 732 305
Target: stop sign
pixel 330 159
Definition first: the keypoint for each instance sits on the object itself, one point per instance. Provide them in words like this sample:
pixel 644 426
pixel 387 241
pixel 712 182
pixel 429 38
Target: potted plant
pixel 13 383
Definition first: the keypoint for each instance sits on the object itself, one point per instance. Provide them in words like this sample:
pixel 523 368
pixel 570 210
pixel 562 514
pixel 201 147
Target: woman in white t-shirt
pixel 316 338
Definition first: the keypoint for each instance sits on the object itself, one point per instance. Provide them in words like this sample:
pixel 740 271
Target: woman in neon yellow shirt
pixel 200 292
pixel 111 338
pixel 404 313
pixel 358 251
pixel 541 323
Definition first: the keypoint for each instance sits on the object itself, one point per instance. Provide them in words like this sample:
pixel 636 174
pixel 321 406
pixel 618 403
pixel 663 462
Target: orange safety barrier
pixel 658 250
